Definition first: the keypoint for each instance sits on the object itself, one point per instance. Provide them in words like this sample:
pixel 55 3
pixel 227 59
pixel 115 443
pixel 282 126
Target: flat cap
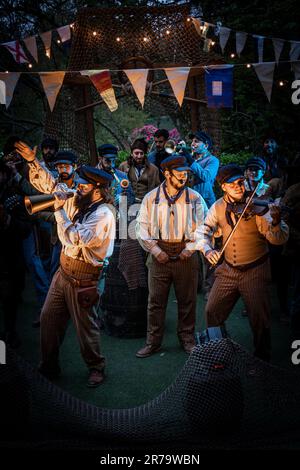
pixel 90 175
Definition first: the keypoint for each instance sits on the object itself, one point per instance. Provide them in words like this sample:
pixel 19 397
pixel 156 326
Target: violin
pixel 257 207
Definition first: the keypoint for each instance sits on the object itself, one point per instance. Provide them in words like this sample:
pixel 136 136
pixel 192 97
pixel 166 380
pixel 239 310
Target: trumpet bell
pixel 38 203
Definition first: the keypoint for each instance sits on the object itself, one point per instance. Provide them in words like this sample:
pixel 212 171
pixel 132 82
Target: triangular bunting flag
pixel 30 43
pixel 103 84
pixel 10 80
pixel 265 73
pixel 295 50
pixel 138 79
pixel 278 46
pixel 296 70
pixel 178 79
pixel 46 38
pixel 64 33
pixel 15 48
pixel 52 83
pixel 224 36
pixel 240 42
pixel 260 47
pixel 2 92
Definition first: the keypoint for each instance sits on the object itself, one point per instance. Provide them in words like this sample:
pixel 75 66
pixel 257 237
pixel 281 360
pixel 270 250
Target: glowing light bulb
pixel 281 83
pixel 248 66
pixel 72 25
pixel 168 31
pixel 213 43
pixel 188 19
pixel 232 55
pixel 118 39
pixel 94 33
pixel 58 41
pixel 48 54
pixel 30 66
pixel 145 39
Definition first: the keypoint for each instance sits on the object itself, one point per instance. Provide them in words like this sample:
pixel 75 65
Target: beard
pixel 65 176
pixel 83 201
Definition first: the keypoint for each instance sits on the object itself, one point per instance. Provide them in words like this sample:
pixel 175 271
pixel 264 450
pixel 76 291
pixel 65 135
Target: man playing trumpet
pixel 86 229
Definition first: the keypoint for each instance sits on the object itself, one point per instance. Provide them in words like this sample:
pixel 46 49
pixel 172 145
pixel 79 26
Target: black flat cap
pixel 65 156
pixel 90 175
pixel 108 151
pixel 175 162
pixel 229 173
pixel 256 162
pixel 200 135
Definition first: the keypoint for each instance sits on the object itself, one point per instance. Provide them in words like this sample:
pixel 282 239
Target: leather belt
pixel 80 282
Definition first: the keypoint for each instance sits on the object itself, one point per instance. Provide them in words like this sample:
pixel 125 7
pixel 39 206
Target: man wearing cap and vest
pixel 86 229
pixel 254 171
pixel 166 225
pixel 204 166
pixel 245 271
pixel 107 156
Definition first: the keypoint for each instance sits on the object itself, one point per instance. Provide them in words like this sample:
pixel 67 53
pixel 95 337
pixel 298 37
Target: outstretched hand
pixel 25 151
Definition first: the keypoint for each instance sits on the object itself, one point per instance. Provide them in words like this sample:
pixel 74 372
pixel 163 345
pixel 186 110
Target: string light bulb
pixel 188 19
pixel 213 43
pixel 94 33
pixel 30 66
pixel 168 31
pixel 72 25
pixel 48 54
pixel 248 66
pixel 58 41
pixel 232 55
pixel 118 39
pixel 281 83
pixel 145 39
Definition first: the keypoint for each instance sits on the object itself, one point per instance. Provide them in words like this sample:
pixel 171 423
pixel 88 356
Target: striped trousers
pixel 252 286
pixel 184 276
pixel 60 306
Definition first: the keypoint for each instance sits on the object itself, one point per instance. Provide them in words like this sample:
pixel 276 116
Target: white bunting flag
pixel 2 92
pixel 240 42
pixel 15 48
pixel 46 38
pixel 52 82
pixel 278 46
pixel 295 50
pixel 64 33
pixel 138 79
pixel 260 47
pixel 178 79
pixel 265 73
pixel 30 43
pixel 10 80
pixel 224 36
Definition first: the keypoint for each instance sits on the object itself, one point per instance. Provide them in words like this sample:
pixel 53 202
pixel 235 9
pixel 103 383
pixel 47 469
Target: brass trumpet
pixel 40 202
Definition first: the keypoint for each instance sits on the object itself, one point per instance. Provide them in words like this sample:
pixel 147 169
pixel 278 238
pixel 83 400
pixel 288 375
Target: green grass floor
pixel 132 381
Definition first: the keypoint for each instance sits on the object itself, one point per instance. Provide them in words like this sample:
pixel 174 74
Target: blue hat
pixel 65 156
pixel 229 173
pixel 90 175
pixel 256 162
pixel 108 151
pixel 175 162
pixel 200 135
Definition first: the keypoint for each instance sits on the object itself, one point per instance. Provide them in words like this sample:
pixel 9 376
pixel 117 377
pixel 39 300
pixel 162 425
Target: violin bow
pixel 237 223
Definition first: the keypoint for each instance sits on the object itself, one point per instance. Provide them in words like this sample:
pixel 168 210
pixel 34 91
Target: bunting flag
pixel 138 79
pixel 2 92
pixel 240 39
pixel 103 84
pixel 52 83
pixel 278 46
pixel 224 36
pixel 15 48
pixel 30 43
pixel 260 47
pixel 178 79
pixel 64 33
pixel 295 50
pixel 10 80
pixel 265 73
pixel 218 86
pixel 46 38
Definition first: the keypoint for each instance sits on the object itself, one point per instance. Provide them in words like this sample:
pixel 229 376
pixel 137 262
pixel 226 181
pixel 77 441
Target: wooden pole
pixel 90 124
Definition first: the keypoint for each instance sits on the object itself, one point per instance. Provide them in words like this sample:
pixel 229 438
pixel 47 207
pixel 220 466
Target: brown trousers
pixel 253 286
pixel 184 276
pixel 60 305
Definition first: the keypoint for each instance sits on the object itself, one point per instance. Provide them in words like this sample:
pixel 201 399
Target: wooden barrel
pixel 124 311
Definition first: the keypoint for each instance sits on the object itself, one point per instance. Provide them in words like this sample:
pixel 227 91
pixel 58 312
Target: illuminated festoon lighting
pixel 213 43
pixel 72 25
pixel 232 55
pixel 145 39
pixel 48 54
pixel 58 41
pixel 168 31
pixel 281 83
pixel 188 19
pixel 248 66
pixel 118 39
pixel 30 66
pixel 94 33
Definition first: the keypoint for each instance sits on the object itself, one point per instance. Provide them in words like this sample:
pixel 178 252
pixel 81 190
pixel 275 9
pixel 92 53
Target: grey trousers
pixel 184 276
pixel 60 306
pixel 253 286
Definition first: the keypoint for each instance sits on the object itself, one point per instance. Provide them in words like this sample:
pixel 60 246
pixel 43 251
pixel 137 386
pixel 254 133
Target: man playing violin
pixel 245 270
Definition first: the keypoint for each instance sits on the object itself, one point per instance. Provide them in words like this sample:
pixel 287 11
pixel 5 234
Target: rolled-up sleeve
pixel 41 178
pixel 275 234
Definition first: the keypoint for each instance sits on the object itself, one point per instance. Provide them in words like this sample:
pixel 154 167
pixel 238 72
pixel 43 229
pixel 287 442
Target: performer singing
pixel 245 271
pixel 86 229
pixel 166 225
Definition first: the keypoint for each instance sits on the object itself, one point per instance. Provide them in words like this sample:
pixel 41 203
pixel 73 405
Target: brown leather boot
pixel 148 350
